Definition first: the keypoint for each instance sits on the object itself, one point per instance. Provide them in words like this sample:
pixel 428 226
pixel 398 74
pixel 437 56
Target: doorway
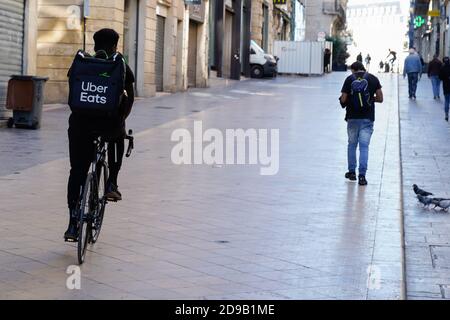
pixel 159 53
pixel 192 54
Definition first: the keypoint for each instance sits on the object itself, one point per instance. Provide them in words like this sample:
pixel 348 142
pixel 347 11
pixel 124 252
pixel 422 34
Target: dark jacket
pixel 444 75
pixel 434 67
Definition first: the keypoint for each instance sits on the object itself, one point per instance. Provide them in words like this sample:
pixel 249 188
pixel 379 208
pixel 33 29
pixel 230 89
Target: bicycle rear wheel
pixel 86 211
pixel 97 221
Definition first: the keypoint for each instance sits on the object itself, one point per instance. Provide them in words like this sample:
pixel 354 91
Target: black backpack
pixel 97 86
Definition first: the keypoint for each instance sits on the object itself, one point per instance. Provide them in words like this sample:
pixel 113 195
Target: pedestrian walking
pixel 368 60
pixel 360 92
pixel 327 60
pixel 434 68
pixel 444 75
pixel 381 66
pixel 412 69
pixel 359 58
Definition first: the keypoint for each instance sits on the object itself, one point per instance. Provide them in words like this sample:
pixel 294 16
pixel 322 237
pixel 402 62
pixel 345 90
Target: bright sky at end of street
pixel 376 27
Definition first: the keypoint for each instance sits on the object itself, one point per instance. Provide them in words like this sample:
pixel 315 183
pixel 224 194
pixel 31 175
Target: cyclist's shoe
pixel 71 234
pixel 112 193
pixel 351 176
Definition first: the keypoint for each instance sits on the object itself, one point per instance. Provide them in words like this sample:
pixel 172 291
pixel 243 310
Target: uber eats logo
pixel 92 93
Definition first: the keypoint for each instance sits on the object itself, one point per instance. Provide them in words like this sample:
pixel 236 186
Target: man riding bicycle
pixel 393 59
pixel 83 129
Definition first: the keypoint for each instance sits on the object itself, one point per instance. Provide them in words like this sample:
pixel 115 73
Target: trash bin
pixel 25 98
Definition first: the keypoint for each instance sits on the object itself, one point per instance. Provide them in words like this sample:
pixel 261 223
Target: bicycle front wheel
pixel 86 212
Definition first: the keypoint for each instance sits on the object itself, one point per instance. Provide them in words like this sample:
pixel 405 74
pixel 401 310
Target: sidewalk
pixel 201 232
pixel 426 162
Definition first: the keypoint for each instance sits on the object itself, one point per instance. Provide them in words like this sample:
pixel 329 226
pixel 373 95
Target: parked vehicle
pixel 262 64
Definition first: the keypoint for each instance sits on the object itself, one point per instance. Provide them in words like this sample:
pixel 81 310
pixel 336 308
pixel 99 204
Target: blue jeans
pixel 436 83
pixel 413 78
pixel 359 133
pixel 447 103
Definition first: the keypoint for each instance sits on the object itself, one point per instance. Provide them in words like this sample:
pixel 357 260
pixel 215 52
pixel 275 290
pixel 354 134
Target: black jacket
pixel 444 75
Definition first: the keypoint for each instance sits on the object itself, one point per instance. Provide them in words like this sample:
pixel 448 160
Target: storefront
pixel 12 17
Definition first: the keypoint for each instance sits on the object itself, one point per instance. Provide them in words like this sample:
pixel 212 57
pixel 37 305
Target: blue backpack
pixel 360 95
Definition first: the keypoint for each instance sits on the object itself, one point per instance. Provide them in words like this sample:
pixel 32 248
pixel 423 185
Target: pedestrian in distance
pixel 368 60
pixel 434 68
pixel 84 128
pixel 359 58
pixel 444 75
pixel 413 69
pixel 327 60
pixel 381 66
pixel 360 92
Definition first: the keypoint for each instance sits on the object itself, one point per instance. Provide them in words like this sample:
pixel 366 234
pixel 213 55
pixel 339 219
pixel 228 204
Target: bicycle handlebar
pixel 130 139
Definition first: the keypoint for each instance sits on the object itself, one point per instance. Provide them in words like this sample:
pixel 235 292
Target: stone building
pixel 262 20
pixel 283 21
pixel 326 16
pixel 164 41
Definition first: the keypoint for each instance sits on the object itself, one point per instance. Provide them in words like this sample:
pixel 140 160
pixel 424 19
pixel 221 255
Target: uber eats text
pixel 92 93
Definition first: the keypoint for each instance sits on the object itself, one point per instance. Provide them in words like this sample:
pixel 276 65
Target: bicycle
pixel 93 201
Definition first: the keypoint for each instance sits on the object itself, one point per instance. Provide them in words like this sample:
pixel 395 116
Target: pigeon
pixel 441 203
pixel 424 200
pixel 421 192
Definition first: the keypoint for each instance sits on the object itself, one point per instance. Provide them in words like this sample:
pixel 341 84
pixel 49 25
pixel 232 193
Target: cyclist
pixel 84 129
pixel 393 59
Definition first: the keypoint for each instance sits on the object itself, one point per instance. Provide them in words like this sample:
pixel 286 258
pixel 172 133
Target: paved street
pixel 226 232
pixel 426 160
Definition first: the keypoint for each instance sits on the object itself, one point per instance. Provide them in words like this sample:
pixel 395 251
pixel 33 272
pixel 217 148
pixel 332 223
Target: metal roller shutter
pixel 159 53
pixel 11 43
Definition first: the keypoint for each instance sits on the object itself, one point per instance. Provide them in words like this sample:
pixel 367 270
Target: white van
pixel 262 64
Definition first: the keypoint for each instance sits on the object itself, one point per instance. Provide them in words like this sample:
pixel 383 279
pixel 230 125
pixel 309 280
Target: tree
pixel 340 53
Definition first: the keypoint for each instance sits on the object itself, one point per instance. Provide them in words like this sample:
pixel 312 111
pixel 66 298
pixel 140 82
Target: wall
pixel 60 35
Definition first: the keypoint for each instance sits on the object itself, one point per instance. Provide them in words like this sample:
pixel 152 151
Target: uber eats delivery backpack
pixel 97 86
pixel 360 95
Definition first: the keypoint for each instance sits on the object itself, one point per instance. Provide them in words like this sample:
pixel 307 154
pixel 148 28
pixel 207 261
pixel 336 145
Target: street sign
pixel 193 2
pixel 434 13
pixel 321 36
pixel 86 8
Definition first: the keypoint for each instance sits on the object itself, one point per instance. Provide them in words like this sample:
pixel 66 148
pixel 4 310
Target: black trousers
pixel 81 150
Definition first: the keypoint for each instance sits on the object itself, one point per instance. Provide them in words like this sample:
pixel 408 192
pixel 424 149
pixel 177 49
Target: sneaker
pixel 112 193
pixel 71 235
pixel 350 176
pixel 446 117
pixel 362 181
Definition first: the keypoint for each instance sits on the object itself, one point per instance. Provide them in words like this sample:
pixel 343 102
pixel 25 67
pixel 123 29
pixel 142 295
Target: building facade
pixel 170 45
pixel 324 16
pixel 165 42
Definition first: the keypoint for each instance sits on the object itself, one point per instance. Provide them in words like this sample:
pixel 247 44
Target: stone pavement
pixel 426 160
pixel 215 232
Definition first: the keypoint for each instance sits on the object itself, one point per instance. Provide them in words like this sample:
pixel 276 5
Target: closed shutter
pixel 11 43
pixel 159 53
pixel 192 56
